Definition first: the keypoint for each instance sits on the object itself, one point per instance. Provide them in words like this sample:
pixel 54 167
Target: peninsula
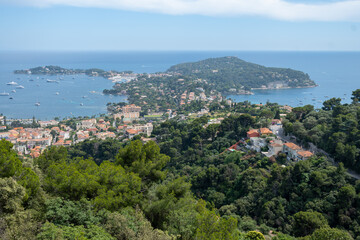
pixel 56 70
pixel 206 80
pixel 231 74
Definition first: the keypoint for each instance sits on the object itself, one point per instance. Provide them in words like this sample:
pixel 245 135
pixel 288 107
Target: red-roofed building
pixel 131 133
pixel 56 129
pixel 253 133
pixel 303 155
pixel 291 150
pixel 275 148
pixel 265 131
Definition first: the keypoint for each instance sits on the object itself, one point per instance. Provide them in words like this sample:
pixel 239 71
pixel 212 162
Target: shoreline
pixel 313 86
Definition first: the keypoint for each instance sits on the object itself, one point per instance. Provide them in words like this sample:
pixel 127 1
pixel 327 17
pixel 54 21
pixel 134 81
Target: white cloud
pixel 348 10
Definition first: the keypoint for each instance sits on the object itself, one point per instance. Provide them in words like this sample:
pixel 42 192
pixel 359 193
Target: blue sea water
pixel 336 73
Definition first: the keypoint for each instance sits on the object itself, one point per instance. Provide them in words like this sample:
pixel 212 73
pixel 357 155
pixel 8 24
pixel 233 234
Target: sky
pixel 179 25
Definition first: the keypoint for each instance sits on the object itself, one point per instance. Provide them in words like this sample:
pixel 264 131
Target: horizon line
pixel 171 50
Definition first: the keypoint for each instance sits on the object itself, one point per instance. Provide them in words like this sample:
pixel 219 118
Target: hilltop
pixel 231 74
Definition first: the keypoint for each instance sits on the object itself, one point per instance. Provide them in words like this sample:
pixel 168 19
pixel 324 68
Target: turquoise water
pixel 337 73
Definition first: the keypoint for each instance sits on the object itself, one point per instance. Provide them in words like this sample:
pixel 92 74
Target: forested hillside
pixel 231 72
pixel 185 186
pixel 334 128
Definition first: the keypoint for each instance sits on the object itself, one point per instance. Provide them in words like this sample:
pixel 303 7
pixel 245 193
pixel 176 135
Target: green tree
pixel 50 231
pixel 306 223
pixel 356 96
pixel 254 235
pixel 331 104
pixel 11 196
pixel 22 225
pixel 212 226
pixel 131 224
pixel 10 164
pixel 143 159
pixel 330 234
pixel 68 213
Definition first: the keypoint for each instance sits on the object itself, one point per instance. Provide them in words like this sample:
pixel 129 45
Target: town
pixel 125 123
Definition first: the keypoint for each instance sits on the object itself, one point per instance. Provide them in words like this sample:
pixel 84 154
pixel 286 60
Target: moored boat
pixel 12 83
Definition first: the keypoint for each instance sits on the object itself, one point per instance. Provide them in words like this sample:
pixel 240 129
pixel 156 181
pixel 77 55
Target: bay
pixel 336 73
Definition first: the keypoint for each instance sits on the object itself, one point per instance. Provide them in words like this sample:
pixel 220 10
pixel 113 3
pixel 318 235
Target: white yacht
pixel 20 87
pixel 52 81
pixel 4 94
pixel 12 83
pixel 37 104
pixel 14 91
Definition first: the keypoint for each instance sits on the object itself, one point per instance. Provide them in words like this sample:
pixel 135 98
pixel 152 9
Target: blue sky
pixel 64 25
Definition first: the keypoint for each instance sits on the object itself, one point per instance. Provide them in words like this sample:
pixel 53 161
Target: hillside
pixel 231 74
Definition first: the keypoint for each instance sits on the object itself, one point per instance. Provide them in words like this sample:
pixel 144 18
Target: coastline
pixel 313 86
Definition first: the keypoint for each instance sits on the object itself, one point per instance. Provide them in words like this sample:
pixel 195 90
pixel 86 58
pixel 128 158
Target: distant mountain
pixel 231 74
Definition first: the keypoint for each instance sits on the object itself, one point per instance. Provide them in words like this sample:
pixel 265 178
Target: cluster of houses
pixel 263 138
pixel 131 131
pixel 32 141
pixel 25 139
pixel 93 127
pixel 186 98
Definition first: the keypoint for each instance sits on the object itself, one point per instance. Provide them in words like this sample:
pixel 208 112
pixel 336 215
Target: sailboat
pixel 12 83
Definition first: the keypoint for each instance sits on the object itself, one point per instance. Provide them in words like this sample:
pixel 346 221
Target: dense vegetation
pixel 334 128
pixel 60 197
pixel 256 189
pixel 230 72
pixel 188 186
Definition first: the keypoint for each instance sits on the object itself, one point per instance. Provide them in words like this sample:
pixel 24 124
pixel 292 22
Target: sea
pixel 336 73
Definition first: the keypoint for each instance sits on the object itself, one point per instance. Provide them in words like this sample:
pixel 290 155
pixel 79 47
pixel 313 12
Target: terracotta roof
pixel 305 154
pixel 253 131
pixel 265 131
pixel 132 131
pixel 292 146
